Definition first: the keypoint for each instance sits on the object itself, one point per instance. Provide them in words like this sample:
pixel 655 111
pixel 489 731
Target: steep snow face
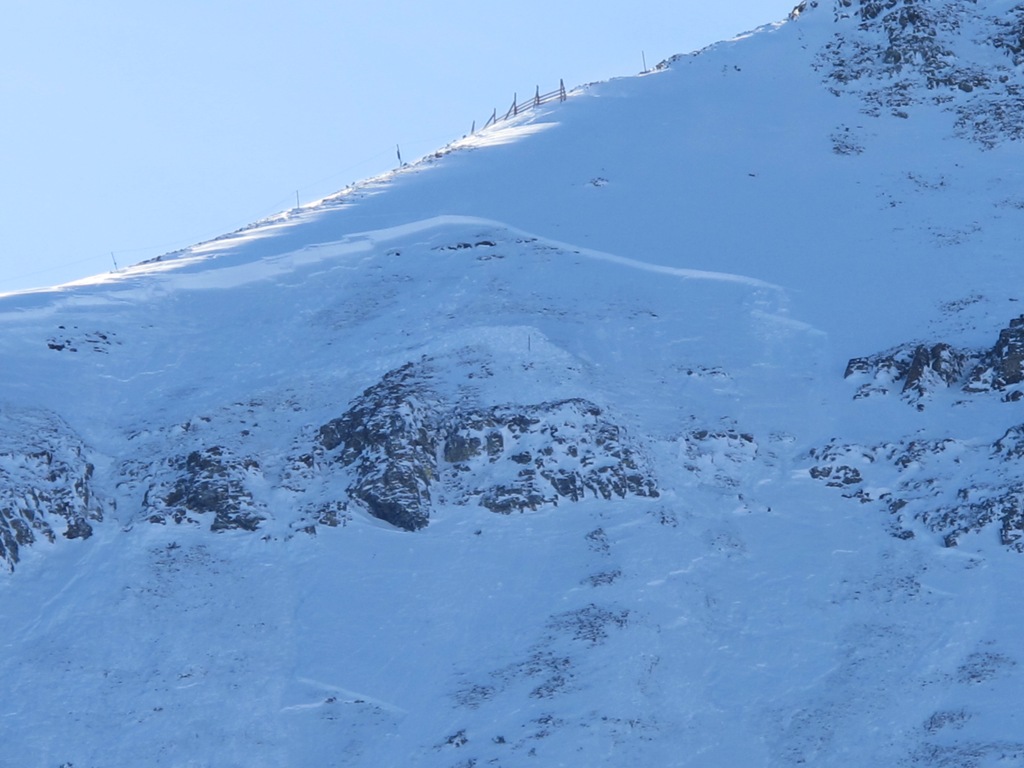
pixel 674 424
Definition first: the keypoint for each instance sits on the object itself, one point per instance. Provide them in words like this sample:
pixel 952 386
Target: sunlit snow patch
pixel 495 137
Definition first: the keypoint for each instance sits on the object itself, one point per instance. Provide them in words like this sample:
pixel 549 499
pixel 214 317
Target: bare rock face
pixel 918 482
pixel 915 370
pixel 1003 365
pixel 933 367
pixel 1010 447
pixel 405 444
pixel 208 482
pixel 389 437
pixel 563 449
pixel 46 483
pixel 920 370
pixel 895 55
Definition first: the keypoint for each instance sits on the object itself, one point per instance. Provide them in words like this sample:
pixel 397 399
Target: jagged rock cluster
pixel 401 447
pixel 895 54
pixel 1002 366
pixel 923 481
pixel 404 443
pixel 74 339
pixel 920 370
pixel 387 437
pixel 915 369
pixel 563 449
pixel 212 481
pixel 46 482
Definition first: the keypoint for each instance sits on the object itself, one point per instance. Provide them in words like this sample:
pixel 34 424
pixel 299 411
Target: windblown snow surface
pixel 696 254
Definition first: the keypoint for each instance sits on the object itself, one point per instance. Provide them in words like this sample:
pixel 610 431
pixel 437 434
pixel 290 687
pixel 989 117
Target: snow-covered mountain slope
pixel 676 424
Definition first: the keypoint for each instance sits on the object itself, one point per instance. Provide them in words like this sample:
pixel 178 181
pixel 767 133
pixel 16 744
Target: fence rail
pixel 537 99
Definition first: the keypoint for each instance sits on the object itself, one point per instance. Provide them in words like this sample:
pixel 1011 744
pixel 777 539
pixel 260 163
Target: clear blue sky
pixel 137 128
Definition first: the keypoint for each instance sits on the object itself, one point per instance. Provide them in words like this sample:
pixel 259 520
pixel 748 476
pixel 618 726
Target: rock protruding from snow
pixel 720 457
pixel 917 370
pixel 921 370
pixel 389 437
pixel 1003 365
pixel 514 458
pixel 212 481
pixel 46 483
pixel 405 442
pixel 921 481
pixel 961 57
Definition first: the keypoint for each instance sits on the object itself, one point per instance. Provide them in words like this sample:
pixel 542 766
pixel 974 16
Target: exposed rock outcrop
pixel 920 370
pixel 720 457
pixel 916 370
pixel 406 443
pixel 208 482
pixel 389 437
pixel 921 480
pixel 918 482
pixel 538 454
pixel 895 54
pixel 46 483
pixel 1003 365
